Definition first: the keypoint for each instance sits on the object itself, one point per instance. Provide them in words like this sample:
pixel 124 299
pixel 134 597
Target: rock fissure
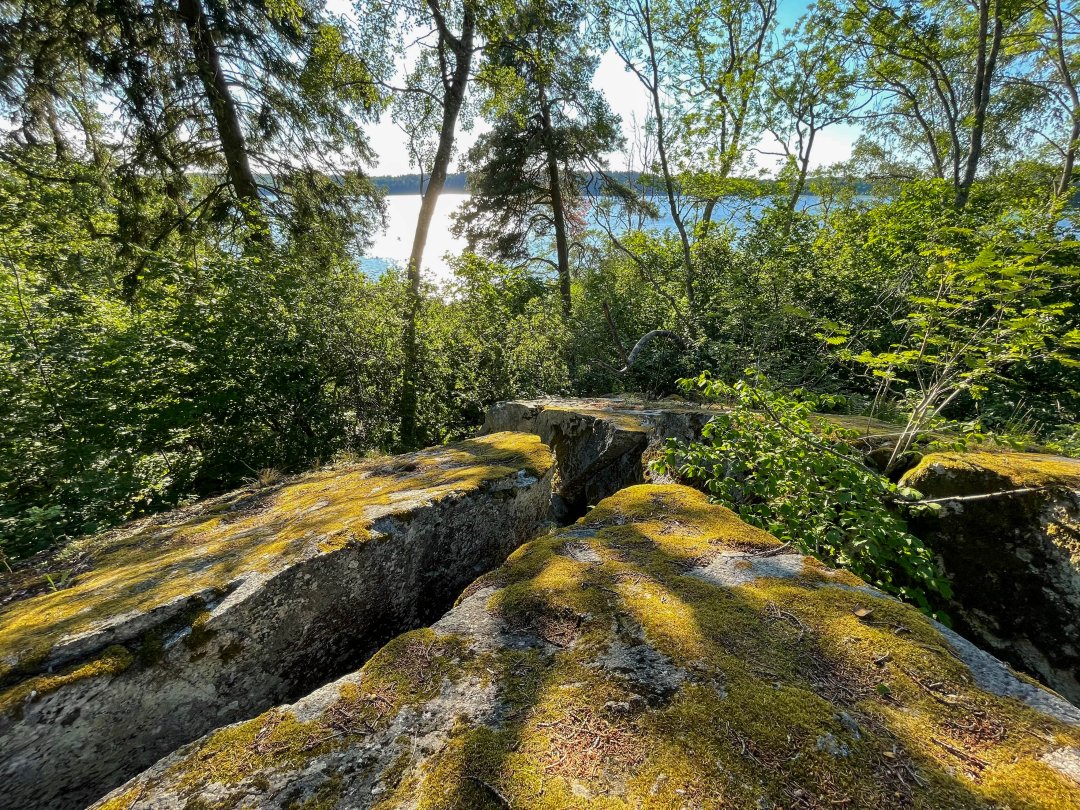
pixel 776 690
pixel 190 623
pixel 656 652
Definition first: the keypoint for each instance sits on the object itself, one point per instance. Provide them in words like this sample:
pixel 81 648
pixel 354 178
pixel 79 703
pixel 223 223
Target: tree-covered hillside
pixel 186 192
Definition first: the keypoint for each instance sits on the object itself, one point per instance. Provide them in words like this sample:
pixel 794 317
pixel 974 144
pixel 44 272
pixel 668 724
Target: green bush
pixel 767 458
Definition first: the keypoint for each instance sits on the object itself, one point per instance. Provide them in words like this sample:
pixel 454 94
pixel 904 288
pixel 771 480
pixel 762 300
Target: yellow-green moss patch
pixel 981 472
pixel 775 675
pixel 112 661
pixel 615 676
pixel 123 801
pixel 205 548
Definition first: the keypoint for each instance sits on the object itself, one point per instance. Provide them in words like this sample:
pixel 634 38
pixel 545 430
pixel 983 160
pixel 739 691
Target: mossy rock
pixel 940 475
pixel 604 444
pixel 660 653
pixel 175 625
pixel 1007 535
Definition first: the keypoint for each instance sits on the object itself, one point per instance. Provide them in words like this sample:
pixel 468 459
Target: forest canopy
pixel 186 194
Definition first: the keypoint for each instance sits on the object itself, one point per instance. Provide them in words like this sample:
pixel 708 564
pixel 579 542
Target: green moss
pixel 408 671
pixel 205 548
pixel 951 474
pixel 768 666
pixel 1031 785
pixel 396 778
pixel 325 798
pixel 781 692
pixel 112 661
pixel 124 801
pixel 230 755
pixel 200 634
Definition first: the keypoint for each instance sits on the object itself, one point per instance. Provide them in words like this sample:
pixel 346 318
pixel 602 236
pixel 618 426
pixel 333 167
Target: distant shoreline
pixel 409 184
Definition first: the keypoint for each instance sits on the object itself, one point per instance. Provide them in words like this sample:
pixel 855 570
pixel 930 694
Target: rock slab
pixel 1007 535
pixel 175 626
pixel 604 444
pixel 600 444
pixel 659 653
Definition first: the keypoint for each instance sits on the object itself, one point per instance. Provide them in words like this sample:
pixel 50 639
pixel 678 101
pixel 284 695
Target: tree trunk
pixel 661 149
pixel 223 106
pixel 1068 167
pixel 985 64
pixel 558 210
pixel 804 168
pixel 1069 163
pixel 453 98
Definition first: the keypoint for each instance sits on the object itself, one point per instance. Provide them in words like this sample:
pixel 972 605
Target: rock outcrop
pixel 599 444
pixel 1008 537
pixel 174 626
pixel 603 444
pixel 659 653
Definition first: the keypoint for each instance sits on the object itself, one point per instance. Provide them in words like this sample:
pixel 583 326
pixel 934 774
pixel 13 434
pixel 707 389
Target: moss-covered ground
pixel 797 692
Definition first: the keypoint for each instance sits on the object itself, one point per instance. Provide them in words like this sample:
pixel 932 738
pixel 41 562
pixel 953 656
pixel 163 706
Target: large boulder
pixel 603 444
pixel 1007 534
pixel 177 625
pixel 658 654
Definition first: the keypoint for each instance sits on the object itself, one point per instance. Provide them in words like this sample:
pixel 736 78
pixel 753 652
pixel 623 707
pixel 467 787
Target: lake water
pixel 392 246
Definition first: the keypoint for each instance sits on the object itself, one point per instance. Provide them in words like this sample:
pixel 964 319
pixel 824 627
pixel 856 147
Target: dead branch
pixel 648 338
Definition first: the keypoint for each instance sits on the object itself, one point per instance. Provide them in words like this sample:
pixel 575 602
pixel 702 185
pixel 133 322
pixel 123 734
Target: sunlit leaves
pixel 769 458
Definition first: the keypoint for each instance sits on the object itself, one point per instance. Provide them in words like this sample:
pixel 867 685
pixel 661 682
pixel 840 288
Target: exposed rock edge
pixel 1007 535
pixel 659 653
pixel 217 613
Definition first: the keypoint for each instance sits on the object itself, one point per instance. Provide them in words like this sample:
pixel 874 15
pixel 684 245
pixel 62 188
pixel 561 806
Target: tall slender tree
pixel 810 87
pixel 429 108
pixel 550 128
pixel 1056 72
pixel 933 69
pixel 269 94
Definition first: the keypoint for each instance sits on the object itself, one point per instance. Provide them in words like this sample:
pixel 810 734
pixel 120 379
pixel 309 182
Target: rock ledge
pixel 175 626
pixel 659 653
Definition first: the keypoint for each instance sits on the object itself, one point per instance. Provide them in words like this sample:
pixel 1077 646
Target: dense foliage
pixel 790 472
pixel 184 203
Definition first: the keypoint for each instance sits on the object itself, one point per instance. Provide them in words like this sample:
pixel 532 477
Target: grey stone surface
pixel 996 677
pixel 276 625
pixel 735 568
pixel 1065 761
pixel 1007 535
pixel 631 709
pixel 600 444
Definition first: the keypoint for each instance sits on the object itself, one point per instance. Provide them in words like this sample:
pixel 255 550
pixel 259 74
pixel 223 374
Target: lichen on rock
pixel 617 664
pixel 198 618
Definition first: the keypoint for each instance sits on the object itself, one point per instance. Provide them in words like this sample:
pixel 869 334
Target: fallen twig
pixel 501 799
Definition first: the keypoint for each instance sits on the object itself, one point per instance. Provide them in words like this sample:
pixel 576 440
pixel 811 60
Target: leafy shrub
pixel 1066 441
pixel 767 459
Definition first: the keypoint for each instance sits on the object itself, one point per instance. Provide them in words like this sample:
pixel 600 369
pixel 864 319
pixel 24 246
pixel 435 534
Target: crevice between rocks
pixel 264 641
